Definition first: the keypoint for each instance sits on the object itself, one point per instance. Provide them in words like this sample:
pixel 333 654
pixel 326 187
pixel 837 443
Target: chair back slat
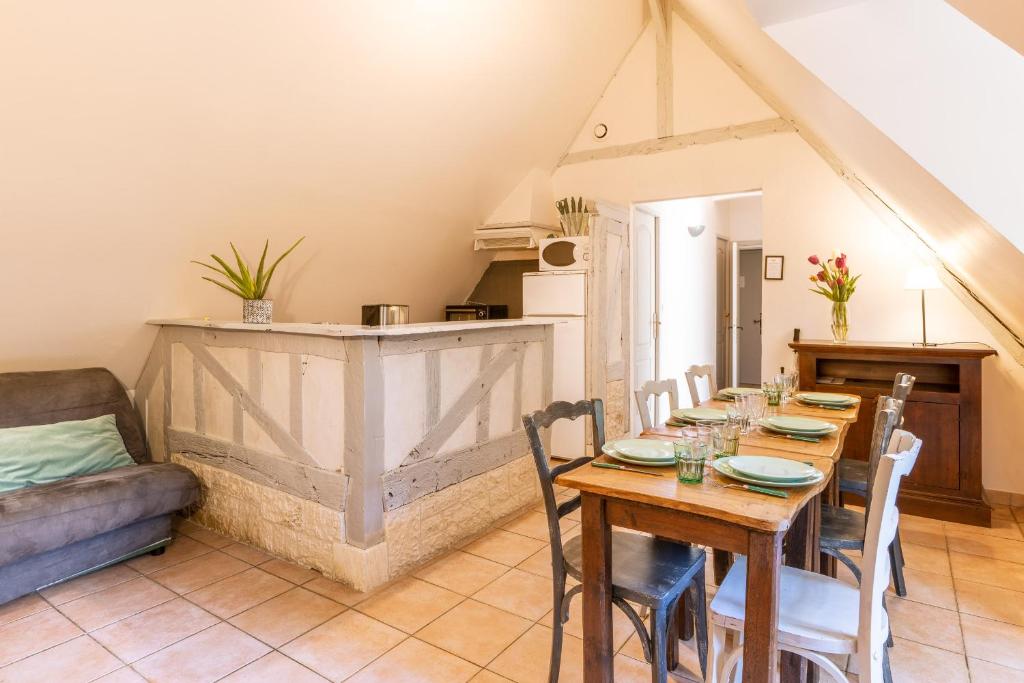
pixel 655 388
pixel 542 419
pixel 886 411
pixel 882 520
pixel 705 372
pixel 901 387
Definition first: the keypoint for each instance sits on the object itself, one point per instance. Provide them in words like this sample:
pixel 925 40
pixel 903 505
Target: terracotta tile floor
pixel 210 609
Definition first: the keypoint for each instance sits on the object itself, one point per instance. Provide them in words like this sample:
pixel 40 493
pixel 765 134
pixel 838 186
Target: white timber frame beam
pixel 661 15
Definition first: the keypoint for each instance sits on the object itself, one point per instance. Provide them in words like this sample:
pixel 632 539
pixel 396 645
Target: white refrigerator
pixel 561 297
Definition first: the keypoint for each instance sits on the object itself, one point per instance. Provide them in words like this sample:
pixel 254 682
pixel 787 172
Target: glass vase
pixel 840 323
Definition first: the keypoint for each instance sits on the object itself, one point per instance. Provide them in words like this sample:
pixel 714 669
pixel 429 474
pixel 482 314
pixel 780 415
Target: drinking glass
pixel 753 407
pixel 691 453
pixel 725 440
pixel 773 391
pixel 734 415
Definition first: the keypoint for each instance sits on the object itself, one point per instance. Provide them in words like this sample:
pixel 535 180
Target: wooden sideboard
pixel 944 410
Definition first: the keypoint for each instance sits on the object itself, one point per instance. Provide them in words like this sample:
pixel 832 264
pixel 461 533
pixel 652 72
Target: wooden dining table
pixel 726 519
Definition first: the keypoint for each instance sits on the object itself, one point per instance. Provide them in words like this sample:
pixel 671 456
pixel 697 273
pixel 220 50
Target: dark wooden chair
pixel 844 529
pixel 853 474
pixel 647 571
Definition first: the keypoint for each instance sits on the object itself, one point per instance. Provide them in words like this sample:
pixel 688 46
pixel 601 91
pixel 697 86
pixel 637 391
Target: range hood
pixel 511 236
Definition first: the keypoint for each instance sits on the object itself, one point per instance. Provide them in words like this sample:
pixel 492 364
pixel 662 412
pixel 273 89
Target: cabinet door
pixel 938 426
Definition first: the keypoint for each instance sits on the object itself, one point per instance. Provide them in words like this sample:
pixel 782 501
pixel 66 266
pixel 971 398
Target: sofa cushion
pixel 41 518
pixel 38 398
pixel 41 454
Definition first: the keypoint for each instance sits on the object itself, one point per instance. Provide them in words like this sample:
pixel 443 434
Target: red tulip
pixel 841 262
pixel 814 260
pixel 821 276
pixel 839 281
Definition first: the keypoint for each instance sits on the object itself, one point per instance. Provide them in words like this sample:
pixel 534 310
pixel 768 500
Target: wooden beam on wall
pixel 742 131
pixel 661 15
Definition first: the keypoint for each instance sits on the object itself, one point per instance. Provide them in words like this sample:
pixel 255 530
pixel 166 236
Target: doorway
pixel 748 317
pixel 686 272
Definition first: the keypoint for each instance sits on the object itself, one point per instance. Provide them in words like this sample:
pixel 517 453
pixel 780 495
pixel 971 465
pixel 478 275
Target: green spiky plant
pixel 242 283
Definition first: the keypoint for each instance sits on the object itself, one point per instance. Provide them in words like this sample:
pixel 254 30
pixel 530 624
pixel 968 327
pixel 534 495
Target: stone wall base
pixel 313 536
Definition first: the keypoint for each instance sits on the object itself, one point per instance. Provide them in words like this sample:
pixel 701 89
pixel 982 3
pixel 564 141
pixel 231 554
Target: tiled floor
pixel 210 609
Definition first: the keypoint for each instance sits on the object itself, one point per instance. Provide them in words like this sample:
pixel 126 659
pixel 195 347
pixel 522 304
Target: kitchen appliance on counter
pixel 565 253
pixel 474 311
pixel 385 314
pixel 561 297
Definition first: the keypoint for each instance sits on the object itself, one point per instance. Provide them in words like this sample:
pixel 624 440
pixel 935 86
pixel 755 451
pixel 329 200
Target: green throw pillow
pixel 40 454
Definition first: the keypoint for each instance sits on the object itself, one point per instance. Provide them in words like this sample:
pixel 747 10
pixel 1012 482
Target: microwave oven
pixel 565 253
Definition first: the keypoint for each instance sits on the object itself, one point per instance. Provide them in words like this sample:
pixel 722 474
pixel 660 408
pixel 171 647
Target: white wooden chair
pixel 819 615
pixel 655 388
pixel 705 372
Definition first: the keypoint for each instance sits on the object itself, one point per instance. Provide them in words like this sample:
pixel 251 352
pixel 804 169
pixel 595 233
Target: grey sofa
pixel 53 532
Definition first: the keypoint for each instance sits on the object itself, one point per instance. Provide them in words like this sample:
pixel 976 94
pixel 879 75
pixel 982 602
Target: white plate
pixel 722 467
pixel 768 468
pixel 736 391
pixel 694 414
pixel 826 398
pixel 643 463
pixel 644 449
pixel 798 425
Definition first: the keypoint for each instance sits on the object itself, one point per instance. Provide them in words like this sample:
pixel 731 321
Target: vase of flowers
pixel 250 284
pixel 833 281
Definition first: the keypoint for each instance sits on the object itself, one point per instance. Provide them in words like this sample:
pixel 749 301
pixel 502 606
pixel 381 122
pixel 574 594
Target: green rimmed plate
pixel 645 449
pixel 771 469
pixel 695 414
pixel 825 398
pixel 723 467
pixel 615 455
pixel 793 424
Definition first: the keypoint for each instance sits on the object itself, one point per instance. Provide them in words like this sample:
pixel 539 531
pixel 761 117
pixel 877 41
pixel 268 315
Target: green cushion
pixel 41 454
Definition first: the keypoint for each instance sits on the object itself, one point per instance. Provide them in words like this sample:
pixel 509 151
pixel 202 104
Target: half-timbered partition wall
pixel 358 452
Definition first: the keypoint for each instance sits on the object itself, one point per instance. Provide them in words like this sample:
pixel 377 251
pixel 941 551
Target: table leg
pixel 760 632
pixel 597 591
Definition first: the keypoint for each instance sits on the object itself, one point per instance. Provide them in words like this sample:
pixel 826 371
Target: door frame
pixel 733 298
pixel 630 388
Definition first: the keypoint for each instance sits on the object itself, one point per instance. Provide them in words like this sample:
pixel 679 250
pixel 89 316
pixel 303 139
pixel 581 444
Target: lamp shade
pixel 922 278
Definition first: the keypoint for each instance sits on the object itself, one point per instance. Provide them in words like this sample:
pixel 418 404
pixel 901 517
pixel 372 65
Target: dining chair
pixel 646 571
pixel 821 616
pixel 853 478
pixel 706 372
pixel 853 474
pixel 843 528
pixel 655 388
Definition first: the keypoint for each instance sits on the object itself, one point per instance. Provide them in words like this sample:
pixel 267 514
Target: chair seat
pixel 842 528
pixel 645 570
pixel 816 612
pixel 853 476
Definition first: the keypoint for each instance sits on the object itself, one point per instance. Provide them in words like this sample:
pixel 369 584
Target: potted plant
pixel 833 282
pixel 252 289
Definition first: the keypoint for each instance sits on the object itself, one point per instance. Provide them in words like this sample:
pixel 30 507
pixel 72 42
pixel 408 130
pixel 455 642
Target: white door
pixel 644 290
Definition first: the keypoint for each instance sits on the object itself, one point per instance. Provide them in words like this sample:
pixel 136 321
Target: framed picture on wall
pixel 773 267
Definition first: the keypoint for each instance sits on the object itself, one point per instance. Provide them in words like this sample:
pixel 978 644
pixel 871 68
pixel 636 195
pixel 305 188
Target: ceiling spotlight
pixel 695 230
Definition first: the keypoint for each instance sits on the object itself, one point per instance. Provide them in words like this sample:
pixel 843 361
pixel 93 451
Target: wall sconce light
pixel 695 230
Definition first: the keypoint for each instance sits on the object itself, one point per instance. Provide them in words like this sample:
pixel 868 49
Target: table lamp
pixel 923 278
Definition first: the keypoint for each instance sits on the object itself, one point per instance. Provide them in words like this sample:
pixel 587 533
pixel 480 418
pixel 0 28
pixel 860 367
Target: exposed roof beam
pixel 661 14
pixel 709 136
pixel 956 282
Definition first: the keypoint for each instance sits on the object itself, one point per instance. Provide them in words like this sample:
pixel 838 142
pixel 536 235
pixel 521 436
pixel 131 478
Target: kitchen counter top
pixel 340 330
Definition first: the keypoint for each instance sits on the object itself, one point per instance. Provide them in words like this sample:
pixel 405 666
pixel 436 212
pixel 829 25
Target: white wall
pixel 687 282
pixel 944 89
pixel 808 209
pixel 743 218
pixel 137 136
